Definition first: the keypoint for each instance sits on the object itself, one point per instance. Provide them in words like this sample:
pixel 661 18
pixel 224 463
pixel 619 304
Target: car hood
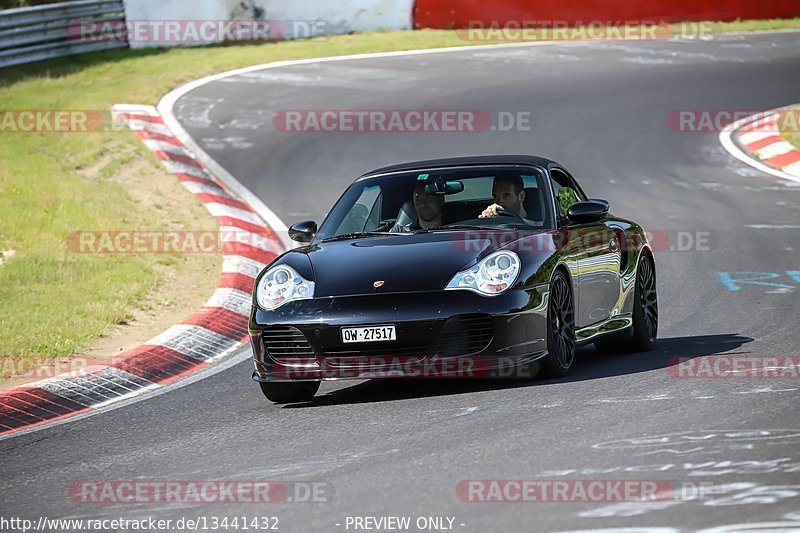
pixel 405 262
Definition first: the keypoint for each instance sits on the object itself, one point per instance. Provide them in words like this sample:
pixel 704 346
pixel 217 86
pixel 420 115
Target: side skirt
pixel 618 326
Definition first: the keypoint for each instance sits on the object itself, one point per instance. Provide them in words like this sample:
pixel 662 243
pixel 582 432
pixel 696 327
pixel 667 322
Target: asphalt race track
pixel 400 448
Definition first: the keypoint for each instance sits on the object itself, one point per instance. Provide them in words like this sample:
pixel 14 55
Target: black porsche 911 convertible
pixel 492 266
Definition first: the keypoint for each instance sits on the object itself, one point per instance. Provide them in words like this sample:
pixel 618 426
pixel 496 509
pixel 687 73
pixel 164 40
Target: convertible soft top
pixel 465 161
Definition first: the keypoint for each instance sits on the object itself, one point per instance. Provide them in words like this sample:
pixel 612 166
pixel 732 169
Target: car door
pixel 597 282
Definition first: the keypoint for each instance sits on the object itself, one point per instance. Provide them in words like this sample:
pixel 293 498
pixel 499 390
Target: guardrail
pixel 31 34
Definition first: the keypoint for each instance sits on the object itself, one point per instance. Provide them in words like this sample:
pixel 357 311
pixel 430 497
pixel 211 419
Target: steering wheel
pixel 505 213
pixel 386 224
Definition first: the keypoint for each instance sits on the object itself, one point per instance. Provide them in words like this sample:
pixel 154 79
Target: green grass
pixel 789 126
pixel 53 301
pixel 748 25
pixel 11 4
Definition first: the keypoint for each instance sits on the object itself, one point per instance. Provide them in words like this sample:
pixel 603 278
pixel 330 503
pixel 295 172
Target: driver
pixel 508 193
pixel 429 211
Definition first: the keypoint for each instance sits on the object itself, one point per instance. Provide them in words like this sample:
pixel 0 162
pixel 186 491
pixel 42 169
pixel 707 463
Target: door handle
pixel 612 244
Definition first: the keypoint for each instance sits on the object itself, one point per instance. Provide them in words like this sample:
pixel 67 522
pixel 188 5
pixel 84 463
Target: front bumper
pixel 439 334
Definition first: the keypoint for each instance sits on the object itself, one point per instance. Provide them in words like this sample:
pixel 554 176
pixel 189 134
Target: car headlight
pixel 490 277
pixel 282 284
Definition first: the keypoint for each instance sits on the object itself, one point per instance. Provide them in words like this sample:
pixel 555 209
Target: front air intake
pixel 287 345
pixel 465 335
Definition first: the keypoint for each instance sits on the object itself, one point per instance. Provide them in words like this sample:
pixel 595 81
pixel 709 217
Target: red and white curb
pixel 756 140
pixel 216 330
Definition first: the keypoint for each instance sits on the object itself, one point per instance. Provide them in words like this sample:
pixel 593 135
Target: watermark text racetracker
pixel 196 32
pixel 716 120
pixel 735 367
pixel 228 241
pixel 400 121
pixel 659 240
pixel 40 367
pixel 577 490
pixel 58 121
pixel 408 367
pixel 562 30
pixel 202 492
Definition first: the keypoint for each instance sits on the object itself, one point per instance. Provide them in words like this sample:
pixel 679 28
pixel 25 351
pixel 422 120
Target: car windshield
pixel 432 200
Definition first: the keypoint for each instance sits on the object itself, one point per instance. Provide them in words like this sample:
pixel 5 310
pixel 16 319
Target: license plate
pixel 369 334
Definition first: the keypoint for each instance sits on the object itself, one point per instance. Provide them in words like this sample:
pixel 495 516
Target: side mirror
pixel 590 211
pixel 303 231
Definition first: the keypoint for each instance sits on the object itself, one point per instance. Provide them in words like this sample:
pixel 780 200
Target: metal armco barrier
pixel 31 34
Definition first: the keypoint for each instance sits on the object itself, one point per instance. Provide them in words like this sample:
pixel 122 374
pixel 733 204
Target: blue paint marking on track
pixel 733 280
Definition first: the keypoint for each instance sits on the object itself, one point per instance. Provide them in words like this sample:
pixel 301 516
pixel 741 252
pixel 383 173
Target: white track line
pixel 793 169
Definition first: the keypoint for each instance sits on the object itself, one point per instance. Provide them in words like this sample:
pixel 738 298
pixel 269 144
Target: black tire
pixel 645 309
pixel 642 336
pixel 286 392
pixel 560 328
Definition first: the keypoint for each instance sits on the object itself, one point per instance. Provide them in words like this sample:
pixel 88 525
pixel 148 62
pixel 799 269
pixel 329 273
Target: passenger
pixel 429 211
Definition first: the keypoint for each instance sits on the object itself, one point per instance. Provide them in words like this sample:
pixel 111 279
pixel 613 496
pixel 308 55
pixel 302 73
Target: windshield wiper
pixel 358 234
